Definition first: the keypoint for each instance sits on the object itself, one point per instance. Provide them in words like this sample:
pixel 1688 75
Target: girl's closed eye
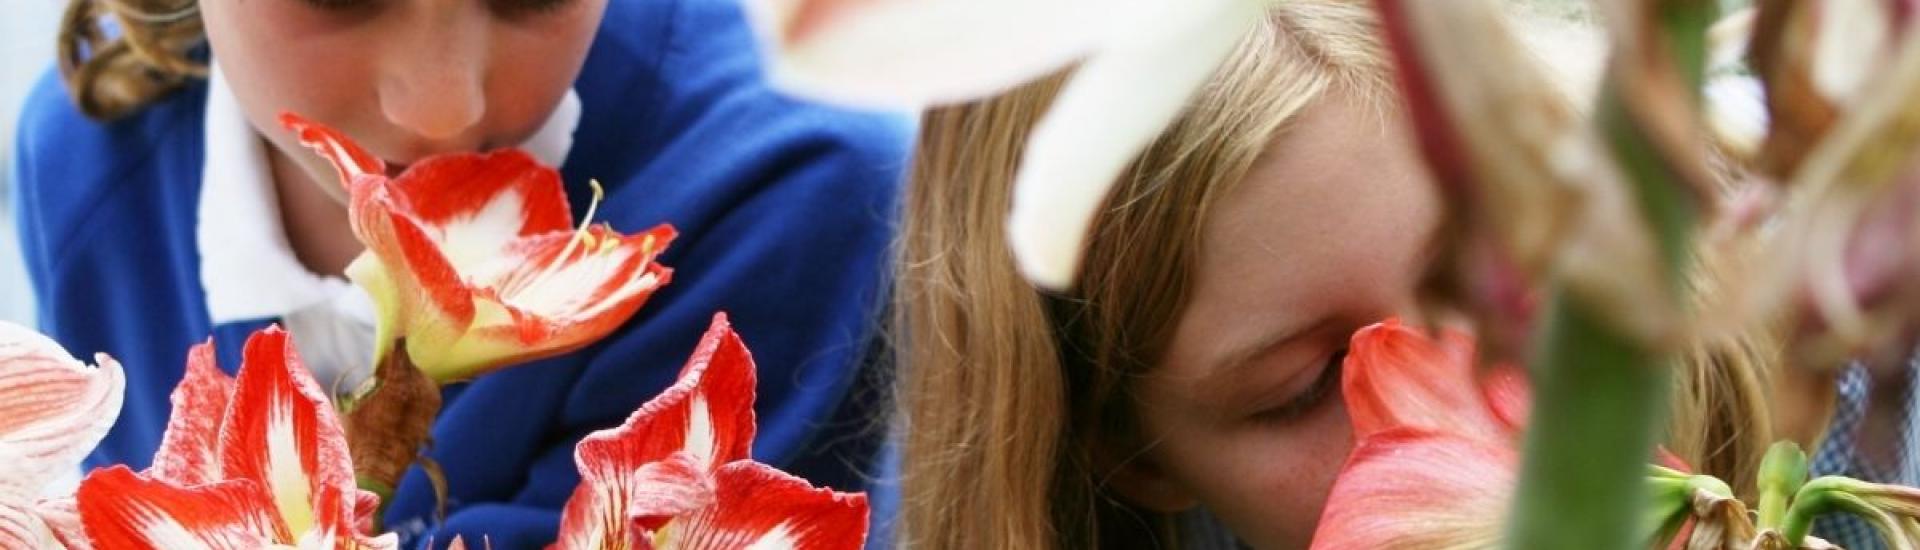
pixel 341 6
pixel 504 8
pixel 1297 403
pixel 512 9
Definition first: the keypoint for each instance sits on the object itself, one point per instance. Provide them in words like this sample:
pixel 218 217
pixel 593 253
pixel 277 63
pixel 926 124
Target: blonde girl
pixel 1194 365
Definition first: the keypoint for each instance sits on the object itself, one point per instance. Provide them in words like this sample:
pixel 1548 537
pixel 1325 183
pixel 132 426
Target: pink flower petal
pixel 1410 489
pixel 62 517
pixel 1397 377
pixel 53 408
pixel 189 449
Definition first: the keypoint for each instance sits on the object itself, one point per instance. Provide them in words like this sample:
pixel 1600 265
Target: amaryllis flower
pixel 1436 453
pixel 53 410
pixel 677 474
pixel 473 261
pixel 1139 62
pixel 248 462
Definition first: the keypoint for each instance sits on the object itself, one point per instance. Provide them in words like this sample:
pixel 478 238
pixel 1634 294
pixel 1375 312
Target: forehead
pixel 1333 220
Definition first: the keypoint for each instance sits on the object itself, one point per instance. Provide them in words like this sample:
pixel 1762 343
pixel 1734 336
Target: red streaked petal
pixel 189 449
pixel 1411 489
pixel 527 306
pixel 53 408
pixel 22 527
pixel 281 433
pixel 507 188
pixel 610 515
pixel 1395 376
pixel 707 413
pixel 564 303
pixel 121 509
pixel 347 157
pixel 62 517
pixel 757 506
pixel 424 276
pixel 705 418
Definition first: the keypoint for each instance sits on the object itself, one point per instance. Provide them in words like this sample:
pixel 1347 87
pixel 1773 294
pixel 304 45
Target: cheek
pixel 290 57
pixel 533 66
pixel 1267 482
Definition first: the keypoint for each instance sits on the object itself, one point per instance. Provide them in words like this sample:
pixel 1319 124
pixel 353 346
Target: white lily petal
pixel 1851 45
pixel 1113 107
pixel 906 53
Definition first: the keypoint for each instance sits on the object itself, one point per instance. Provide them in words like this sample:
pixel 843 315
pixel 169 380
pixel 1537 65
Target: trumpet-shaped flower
pixel 473 261
pixel 254 461
pixel 677 475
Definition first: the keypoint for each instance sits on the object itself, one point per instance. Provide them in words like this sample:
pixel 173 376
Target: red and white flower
pixel 53 411
pixel 474 262
pixel 677 475
pixel 248 462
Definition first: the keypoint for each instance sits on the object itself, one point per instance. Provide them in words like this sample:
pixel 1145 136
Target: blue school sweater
pixel 784 211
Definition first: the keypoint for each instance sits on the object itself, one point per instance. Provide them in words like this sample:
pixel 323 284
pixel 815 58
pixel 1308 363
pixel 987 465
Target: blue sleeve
pixel 38 118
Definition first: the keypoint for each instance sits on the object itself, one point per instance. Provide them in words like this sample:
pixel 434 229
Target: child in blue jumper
pixel 160 204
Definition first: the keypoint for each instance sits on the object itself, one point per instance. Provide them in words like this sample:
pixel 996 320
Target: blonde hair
pixel 112 76
pixel 1006 392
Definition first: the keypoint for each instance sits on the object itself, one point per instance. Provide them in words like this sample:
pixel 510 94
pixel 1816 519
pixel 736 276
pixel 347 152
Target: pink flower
pixel 1435 462
pixel 677 473
pixel 251 462
pixel 53 411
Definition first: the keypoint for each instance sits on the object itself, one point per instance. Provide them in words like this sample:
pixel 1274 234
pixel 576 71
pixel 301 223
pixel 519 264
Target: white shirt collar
pixel 248 269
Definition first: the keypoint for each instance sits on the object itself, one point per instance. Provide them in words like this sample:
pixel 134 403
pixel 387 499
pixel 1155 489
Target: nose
pixel 431 81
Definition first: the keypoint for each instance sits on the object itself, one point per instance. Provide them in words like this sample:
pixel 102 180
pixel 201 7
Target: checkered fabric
pixel 1837 456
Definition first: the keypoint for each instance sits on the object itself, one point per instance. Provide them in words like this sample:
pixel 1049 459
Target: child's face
pixel 1328 233
pixel 405 78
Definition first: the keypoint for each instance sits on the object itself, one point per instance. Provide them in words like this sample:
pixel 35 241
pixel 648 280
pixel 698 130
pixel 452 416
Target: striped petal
pixel 1111 108
pixel 281 433
pixel 21 525
pixel 1410 489
pixel 757 506
pixel 53 408
pixel 548 295
pixel 189 449
pixel 62 517
pixel 706 417
pixel 351 161
pixel 124 510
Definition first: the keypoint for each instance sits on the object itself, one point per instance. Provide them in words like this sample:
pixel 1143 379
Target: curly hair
pixel 117 56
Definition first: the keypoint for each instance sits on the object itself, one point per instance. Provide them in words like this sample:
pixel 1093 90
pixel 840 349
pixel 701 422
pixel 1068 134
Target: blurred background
pixel 26 50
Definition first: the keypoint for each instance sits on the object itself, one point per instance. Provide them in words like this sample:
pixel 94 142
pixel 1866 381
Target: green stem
pixel 1813 499
pixel 1600 395
pixel 1782 473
